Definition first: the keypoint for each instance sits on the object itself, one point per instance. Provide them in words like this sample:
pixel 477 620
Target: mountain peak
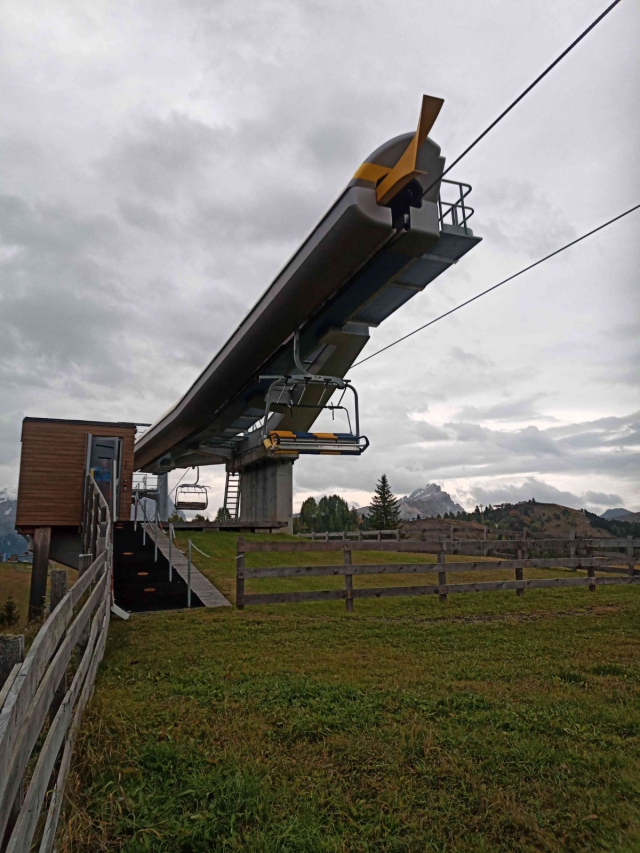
pixel 427 501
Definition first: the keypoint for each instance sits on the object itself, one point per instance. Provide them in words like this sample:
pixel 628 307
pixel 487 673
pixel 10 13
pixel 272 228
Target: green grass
pixel 486 723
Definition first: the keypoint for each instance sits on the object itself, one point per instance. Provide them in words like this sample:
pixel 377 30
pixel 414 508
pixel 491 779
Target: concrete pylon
pixel 162 497
pixel 266 492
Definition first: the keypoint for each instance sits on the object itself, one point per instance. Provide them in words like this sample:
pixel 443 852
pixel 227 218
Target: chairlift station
pixel 396 227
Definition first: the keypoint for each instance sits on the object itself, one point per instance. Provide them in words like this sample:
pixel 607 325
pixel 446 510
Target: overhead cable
pixel 526 92
pixel 499 284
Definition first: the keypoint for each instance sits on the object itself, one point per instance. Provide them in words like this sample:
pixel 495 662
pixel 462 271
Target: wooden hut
pixel 56 457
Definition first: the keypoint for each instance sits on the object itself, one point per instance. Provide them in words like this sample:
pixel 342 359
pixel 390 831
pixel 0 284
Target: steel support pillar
pixel 266 492
pixel 162 497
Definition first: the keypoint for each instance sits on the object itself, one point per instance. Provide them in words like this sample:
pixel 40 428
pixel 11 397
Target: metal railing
pixel 456 212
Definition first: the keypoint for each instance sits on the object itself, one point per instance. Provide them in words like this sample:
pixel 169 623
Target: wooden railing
pixel 607 563
pixel 31 696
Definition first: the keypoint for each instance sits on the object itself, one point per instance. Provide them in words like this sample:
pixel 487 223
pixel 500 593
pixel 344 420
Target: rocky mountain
pixel 10 541
pixel 427 502
pixel 619 514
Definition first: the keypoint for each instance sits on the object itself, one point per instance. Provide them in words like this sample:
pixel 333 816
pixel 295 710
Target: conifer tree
pixel 385 511
pixel 9 613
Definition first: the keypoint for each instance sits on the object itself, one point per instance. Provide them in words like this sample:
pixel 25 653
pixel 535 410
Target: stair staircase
pixel 232 495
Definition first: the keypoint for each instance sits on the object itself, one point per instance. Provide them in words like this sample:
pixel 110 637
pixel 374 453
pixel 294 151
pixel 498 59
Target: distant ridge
pixel 616 513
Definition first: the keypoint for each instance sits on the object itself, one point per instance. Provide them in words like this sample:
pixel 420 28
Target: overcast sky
pixel 160 161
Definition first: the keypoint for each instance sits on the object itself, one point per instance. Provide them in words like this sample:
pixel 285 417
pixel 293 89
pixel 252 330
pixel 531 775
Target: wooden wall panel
pixel 52 470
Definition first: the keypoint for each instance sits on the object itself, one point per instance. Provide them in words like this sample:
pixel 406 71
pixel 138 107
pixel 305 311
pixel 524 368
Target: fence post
pixel 572 547
pixel 58 588
pixel 11 653
pixel 155 538
pixel 442 576
pixel 348 581
pixel 239 575
pixel 519 574
pixel 170 551
pixel 144 524
pixel 57 593
pixel 632 568
pixel 189 576
pixel 591 574
pixel 101 540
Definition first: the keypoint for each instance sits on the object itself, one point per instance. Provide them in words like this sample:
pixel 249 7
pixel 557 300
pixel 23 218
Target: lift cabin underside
pixel 395 228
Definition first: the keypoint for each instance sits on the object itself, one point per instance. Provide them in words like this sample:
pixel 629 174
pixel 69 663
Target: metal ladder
pixel 232 495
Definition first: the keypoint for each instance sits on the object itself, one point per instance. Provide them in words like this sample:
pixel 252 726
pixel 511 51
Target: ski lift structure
pixel 192 496
pixel 287 393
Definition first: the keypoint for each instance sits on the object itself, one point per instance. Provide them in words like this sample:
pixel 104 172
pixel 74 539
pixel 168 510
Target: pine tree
pixel 9 613
pixel 385 511
pixel 222 514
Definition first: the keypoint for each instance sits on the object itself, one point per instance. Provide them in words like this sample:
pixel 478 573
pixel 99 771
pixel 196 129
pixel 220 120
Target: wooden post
pixel 379 536
pixel 632 568
pixel 240 580
pixel 101 540
pixel 520 574
pixel 84 561
pixel 56 594
pixel 348 582
pixel 572 547
pixel 58 588
pixel 442 576
pixel 11 653
pixel 41 544
pixel 591 573
pixel 170 552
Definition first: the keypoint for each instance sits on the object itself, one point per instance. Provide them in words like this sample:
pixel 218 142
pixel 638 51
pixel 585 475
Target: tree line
pixel 332 513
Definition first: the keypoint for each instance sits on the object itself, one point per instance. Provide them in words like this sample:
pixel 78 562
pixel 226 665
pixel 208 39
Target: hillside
pixel 535 517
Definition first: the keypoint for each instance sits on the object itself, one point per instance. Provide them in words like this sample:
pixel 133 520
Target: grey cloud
pixel 525 218
pixel 507 410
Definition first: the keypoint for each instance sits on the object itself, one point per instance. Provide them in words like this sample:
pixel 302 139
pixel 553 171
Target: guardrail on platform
pixel 604 564
pixel 35 692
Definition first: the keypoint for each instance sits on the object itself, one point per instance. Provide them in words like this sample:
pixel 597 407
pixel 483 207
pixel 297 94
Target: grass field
pixel 486 723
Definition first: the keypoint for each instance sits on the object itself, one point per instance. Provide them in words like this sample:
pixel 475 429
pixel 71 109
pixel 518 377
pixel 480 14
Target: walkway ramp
pixel 200 585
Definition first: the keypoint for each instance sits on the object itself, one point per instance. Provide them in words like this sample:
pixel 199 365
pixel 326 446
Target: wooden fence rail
pixel 608 563
pixel 31 696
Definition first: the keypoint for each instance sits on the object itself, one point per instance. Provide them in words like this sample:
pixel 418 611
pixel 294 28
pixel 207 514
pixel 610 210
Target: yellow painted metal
pixel 326 436
pixel 405 169
pixel 371 172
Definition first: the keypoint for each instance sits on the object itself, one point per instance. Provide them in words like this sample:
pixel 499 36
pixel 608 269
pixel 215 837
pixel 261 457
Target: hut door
pixel 104 461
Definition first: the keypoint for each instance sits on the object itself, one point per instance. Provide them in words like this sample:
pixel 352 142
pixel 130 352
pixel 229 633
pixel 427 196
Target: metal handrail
pixel 456 207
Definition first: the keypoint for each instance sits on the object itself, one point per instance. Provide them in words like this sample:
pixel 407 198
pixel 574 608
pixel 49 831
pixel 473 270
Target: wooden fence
pixel 349 534
pixel 36 692
pixel 604 563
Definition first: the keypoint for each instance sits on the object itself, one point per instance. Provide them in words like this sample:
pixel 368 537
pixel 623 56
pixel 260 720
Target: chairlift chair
pixel 191 496
pixel 289 391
